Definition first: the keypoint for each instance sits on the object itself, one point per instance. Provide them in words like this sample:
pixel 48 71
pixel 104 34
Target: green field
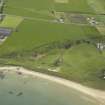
pixel 42 43
pixel 46 5
pixel 11 21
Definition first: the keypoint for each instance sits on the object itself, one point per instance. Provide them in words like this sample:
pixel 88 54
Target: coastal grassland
pixel 39 43
pixel 81 63
pixel 85 64
pixel 32 34
pixel 11 21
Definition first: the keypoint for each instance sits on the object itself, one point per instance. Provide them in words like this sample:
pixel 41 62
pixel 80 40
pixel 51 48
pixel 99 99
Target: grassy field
pixel 29 35
pixel 48 5
pixel 11 21
pixel 98 6
pixel 42 43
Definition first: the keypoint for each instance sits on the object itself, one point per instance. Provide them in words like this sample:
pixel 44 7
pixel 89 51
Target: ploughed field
pixel 55 37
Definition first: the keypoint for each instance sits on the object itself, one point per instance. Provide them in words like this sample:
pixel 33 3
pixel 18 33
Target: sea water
pixel 18 89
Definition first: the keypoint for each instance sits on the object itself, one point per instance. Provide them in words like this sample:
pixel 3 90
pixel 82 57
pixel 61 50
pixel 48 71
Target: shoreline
pixel 99 95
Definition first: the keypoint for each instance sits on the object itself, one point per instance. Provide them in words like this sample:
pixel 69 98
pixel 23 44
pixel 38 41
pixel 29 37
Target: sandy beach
pixel 97 94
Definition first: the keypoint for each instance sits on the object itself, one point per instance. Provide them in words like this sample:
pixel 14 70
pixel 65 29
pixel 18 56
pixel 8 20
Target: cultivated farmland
pixel 55 37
